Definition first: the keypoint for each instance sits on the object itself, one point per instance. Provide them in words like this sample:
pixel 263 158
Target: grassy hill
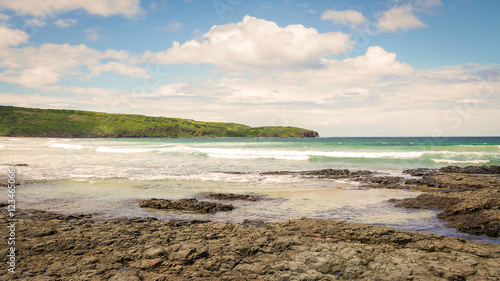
pixel 32 122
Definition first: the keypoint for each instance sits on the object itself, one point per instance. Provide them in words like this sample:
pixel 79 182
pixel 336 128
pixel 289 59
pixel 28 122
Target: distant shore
pixel 55 123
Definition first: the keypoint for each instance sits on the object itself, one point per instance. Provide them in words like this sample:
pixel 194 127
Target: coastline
pixel 57 247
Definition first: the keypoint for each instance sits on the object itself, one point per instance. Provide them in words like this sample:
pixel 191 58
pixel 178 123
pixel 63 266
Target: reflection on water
pixel 286 199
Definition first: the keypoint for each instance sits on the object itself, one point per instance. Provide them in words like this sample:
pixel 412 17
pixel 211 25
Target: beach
pixel 91 209
pixel 80 247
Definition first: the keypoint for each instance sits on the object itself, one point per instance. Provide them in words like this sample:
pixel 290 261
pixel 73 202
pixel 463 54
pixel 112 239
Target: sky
pixel 342 68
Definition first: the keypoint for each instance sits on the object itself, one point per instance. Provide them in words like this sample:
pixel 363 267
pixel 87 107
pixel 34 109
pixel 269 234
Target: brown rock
pixel 232 196
pixel 192 205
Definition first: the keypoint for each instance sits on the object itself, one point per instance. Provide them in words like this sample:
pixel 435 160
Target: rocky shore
pixel 57 247
pixel 191 205
pixel 51 246
pixel 468 196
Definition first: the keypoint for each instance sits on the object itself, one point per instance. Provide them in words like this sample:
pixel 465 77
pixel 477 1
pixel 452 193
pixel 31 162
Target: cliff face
pixel 32 122
pixel 310 134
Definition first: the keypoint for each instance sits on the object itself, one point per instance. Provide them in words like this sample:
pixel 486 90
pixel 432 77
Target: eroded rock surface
pixel 471 203
pixel 303 249
pixel 232 196
pixel 192 205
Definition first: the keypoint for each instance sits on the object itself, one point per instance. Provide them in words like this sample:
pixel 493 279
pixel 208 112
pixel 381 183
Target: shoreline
pixel 60 247
pixel 52 246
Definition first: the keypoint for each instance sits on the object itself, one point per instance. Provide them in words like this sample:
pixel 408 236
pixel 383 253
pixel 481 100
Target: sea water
pixel 108 177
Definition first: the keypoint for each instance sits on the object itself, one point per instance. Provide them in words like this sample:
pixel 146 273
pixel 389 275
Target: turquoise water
pixel 109 176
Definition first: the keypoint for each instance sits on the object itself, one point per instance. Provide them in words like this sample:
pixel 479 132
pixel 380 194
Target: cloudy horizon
pixel 354 68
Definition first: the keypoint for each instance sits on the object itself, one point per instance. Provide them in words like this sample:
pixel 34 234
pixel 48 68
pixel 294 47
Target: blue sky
pixel 343 68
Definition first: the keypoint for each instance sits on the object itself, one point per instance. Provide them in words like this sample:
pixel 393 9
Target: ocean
pixel 107 177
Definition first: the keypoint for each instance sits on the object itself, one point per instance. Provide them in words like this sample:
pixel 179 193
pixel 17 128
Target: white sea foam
pixel 2 146
pixel 66 146
pixel 121 150
pixel 255 178
pixel 303 155
pixel 463 153
pixel 178 148
pixel 449 161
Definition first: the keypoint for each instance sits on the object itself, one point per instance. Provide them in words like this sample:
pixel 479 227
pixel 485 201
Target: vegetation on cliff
pixel 32 122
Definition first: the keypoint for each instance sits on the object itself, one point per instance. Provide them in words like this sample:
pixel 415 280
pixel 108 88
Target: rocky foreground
pixel 57 247
pixel 53 246
pixel 468 196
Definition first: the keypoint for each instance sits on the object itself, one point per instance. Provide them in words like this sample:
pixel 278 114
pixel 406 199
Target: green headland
pixel 61 123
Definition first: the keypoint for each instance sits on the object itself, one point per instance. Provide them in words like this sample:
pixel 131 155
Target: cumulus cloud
pixel 327 100
pixel 64 23
pixel 127 8
pixel 399 18
pixel 12 37
pixel 344 17
pixel 256 43
pixel 376 61
pixel 403 17
pixel 38 67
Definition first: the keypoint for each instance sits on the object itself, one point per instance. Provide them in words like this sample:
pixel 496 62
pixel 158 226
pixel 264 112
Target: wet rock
pixel 464 181
pixel 478 213
pixel 192 205
pixel 426 201
pixel 389 182
pixel 419 172
pixel 328 173
pixel 475 211
pixel 478 170
pixel 303 249
pixel 232 196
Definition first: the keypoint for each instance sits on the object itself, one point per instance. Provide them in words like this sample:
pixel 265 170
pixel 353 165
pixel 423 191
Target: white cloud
pixel 399 18
pixel 64 23
pixel 327 100
pixel 39 67
pixel 127 8
pixel 344 17
pixel 172 27
pixel 36 100
pixel 119 68
pixel 12 37
pixel 403 17
pixel 256 43
pixel 376 62
pixel 92 34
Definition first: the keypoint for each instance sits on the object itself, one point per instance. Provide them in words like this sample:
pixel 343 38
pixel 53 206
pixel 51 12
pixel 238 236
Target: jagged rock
pixel 471 211
pixel 426 201
pixel 302 249
pixel 478 170
pixel 419 172
pixel 185 205
pixel 232 196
